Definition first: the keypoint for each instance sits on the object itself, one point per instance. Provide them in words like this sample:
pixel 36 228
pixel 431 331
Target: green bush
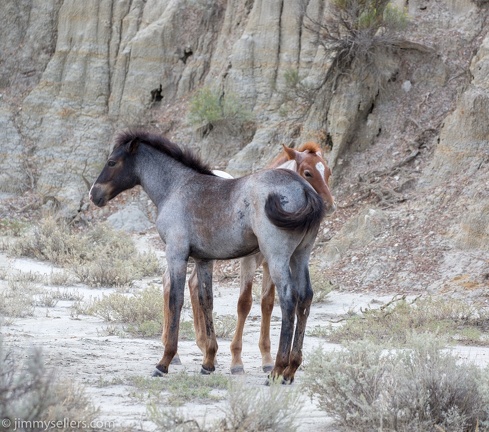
pixel 209 107
pixel 12 227
pixel 423 387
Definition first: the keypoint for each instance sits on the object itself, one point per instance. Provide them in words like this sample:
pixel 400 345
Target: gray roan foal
pixel 205 217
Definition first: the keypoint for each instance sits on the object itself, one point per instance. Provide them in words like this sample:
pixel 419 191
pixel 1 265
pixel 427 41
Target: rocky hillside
pixel 408 142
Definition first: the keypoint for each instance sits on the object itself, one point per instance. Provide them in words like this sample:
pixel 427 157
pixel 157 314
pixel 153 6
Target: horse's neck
pixel 159 174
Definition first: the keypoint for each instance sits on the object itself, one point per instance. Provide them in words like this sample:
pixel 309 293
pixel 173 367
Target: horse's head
pixel 117 175
pixel 313 168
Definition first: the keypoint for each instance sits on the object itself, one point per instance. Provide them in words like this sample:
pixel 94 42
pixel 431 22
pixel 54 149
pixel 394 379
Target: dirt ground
pixel 79 348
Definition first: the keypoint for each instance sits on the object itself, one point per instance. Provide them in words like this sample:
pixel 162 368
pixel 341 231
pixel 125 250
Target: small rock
pixel 131 219
pixel 406 86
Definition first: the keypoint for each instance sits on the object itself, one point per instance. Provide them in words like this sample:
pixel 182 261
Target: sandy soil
pixel 80 349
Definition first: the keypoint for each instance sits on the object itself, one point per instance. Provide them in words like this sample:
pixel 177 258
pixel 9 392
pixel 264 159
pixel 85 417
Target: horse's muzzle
pixel 97 196
pixel 331 208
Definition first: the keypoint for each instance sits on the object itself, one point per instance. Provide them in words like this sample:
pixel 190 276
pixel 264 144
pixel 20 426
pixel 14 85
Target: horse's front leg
pixel 166 314
pixel 174 301
pixel 206 301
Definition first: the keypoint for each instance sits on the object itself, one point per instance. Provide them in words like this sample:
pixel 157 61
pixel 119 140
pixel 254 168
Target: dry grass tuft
pixel 141 314
pixel 395 321
pixel 99 256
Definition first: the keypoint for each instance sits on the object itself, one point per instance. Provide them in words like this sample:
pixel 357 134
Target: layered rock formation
pixel 72 73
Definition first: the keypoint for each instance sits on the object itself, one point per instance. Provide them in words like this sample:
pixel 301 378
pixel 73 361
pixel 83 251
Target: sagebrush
pixel 423 387
pixel 34 395
pixel 265 409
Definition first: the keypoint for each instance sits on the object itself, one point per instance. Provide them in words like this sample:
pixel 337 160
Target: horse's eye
pixel 307 173
pixel 111 163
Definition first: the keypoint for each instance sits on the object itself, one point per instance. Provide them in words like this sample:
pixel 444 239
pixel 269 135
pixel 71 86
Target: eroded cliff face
pixel 409 148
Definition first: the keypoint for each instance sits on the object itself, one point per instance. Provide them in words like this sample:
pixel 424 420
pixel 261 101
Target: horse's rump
pixel 306 218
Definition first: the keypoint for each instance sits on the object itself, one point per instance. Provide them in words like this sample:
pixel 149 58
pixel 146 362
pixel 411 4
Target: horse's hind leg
pixel 300 271
pixel 206 301
pixel 280 273
pixel 267 302
pixel 199 320
pixel 248 265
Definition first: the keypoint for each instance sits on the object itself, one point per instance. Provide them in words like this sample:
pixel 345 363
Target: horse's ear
pixel 292 154
pixel 133 145
pixel 288 152
pixel 319 153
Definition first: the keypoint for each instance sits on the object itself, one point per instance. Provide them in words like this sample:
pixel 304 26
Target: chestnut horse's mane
pixel 162 144
pixel 310 146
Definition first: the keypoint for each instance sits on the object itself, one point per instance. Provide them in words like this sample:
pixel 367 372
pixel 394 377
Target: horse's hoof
pixel 206 371
pixel 267 368
pixel 159 371
pixel 287 381
pixel 278 379
pixel 237 370
pixel 176 361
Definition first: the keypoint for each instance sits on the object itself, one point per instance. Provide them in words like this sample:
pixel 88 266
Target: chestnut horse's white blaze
pixel 205 217
pixel 307 162
pixel 321 168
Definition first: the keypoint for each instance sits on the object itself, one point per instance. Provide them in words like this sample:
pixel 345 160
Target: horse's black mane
pixel 162 144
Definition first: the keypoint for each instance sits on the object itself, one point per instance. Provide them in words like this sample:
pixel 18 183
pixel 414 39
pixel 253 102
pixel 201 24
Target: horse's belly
pixel 225 246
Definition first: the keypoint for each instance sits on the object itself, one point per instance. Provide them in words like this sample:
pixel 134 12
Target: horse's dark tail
pixel 305 219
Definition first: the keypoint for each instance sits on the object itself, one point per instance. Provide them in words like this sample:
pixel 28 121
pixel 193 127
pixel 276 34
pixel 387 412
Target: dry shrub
pixel 358 32
pixel 141 313
pixel 17 298
pixel 321 285
pixel 264 409
pixel 420 388
pixel 274 408
pixel 33 395
pixel 224 326
pixel 100 256
pixel 395 321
